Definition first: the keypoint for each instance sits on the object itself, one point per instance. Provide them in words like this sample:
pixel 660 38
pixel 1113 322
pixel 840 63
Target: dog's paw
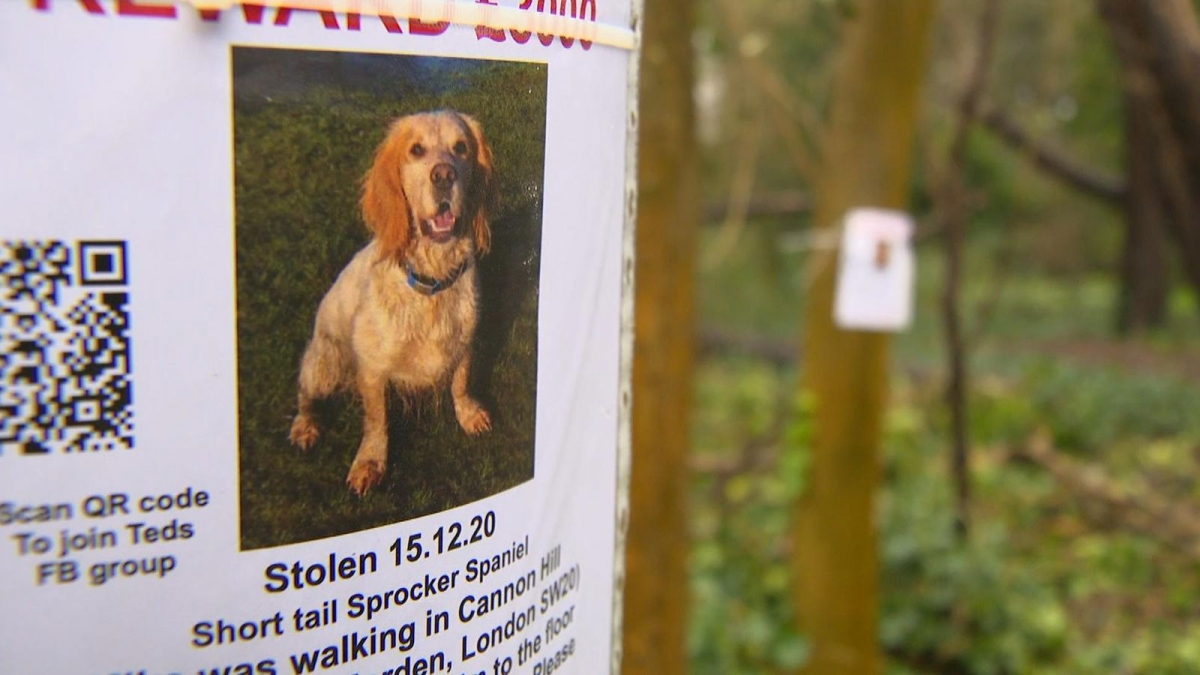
pixel 474 420
pixel 364 475
pixel 304 432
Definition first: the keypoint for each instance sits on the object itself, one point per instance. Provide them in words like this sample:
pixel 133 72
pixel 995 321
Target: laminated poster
pixel 311 336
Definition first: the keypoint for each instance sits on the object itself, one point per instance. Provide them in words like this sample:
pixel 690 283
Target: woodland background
pixel 1010 485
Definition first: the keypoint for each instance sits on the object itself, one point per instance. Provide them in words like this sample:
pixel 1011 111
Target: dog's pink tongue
pixel 443 222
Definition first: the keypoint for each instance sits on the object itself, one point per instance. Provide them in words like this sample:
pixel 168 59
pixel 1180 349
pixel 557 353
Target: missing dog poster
pixel 311 336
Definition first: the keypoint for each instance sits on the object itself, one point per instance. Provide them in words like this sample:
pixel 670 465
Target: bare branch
pixel 745 172
pixel 713 340
pixel 782 204
pixel 1170 522
pixel 796 122
pixel 955 212
pixel 1054 162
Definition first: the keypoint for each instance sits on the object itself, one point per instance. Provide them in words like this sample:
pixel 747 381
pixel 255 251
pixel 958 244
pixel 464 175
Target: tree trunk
pixel 1158 44
pixel 867 162
pixel 1144 278
pixel 656 586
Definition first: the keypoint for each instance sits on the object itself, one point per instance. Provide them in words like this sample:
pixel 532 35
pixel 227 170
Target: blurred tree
pixel 955 213
pixel 1158 42
pixel 668 213
pixel 867 161
pixel 1145 282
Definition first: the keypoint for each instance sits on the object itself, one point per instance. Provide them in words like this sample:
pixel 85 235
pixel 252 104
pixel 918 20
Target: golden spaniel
pixel 403 312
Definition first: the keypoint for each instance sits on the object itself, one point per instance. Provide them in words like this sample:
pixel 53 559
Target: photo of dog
pixel 403 312
pixel 388 232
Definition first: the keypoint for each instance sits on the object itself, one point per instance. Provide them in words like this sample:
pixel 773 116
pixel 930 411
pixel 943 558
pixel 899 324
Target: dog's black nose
pixel 443 176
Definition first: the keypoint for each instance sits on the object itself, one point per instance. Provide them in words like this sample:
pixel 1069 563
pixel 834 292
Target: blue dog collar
pixel 430 286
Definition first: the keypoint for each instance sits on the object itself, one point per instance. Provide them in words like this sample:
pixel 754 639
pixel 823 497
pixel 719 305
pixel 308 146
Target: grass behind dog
pixel 301 148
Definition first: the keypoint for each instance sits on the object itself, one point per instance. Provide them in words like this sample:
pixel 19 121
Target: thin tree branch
pixel 1054 162
pixel 797 123
pixel 783 204
pixel 955 211
pixel 745 171
pixel 1171 523
pixel 713 340
pixel 801 153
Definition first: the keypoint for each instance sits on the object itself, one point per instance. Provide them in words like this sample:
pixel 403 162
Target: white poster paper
pixel 876 271
pixel 310 339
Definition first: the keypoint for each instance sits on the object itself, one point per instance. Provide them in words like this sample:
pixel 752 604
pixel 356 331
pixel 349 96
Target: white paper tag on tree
pixel 875 271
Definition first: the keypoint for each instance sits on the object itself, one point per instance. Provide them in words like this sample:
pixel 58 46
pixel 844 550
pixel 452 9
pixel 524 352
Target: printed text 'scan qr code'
pixel 64 348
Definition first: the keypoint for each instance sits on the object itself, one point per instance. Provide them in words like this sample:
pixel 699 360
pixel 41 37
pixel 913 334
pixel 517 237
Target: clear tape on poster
pixel 458 13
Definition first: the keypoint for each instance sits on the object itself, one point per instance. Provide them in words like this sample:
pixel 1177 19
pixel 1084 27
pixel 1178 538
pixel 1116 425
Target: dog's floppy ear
pixel 484 187
pixel 384 206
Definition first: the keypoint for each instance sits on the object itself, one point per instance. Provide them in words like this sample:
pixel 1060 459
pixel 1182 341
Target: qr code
pixel 65 382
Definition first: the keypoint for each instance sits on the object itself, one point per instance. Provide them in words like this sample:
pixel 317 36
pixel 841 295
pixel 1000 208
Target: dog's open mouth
pixel 442 225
